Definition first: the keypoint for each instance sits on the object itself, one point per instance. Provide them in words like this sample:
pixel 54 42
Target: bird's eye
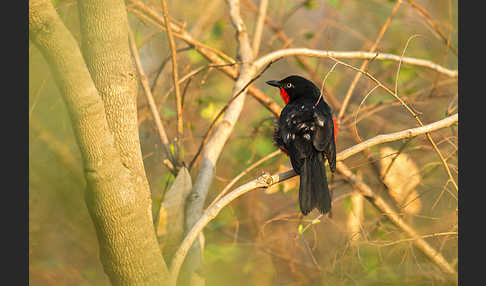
pixel 289 85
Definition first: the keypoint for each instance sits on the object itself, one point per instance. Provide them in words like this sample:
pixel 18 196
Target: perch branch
pixel 267 180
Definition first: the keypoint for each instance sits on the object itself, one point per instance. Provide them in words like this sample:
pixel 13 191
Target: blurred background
pixel 260 239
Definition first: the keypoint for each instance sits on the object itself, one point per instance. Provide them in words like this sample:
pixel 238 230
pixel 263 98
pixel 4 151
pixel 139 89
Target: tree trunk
pixel 104 123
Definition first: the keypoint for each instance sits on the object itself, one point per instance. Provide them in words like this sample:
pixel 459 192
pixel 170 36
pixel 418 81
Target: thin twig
pixel 431 22
pixel 324 82
pixel 444 163
pixel 400 62
pixel 211 127
pixel 213 55
pixel 394 217
pixel 266 181
pixel 180 123
pixel 357 111
pixel 193 73
pixel 161 68
pixel 150 99
pixel 356 78
pixel 257 36
pixel 380 243
pixel 302 60
pixel 239 176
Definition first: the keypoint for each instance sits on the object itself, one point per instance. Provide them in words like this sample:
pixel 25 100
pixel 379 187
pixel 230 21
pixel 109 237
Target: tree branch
pixel 223 130
pixel 151 102
pixel 260 24
pixel 377 201
pixel 262 61
pixel 444 163
pixel 266 180
pixel 173 52
pixel 210 54
pixel 356 78
pixel 431 22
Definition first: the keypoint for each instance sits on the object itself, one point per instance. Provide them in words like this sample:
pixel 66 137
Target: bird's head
pixel 294 86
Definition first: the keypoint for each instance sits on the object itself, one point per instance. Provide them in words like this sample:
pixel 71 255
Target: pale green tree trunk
pixel 100 94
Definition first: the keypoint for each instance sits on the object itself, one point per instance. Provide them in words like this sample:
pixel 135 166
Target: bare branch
pixel 266 181
pixel 395 218
pixel 211 54
pixel 153 107
pixel 257 36
pixel 356 78
pixel 210 129
pixel 432 23
pixel 223 130
pixel 262 61
pixel 444 163
pixel 246 171
pixel 180 126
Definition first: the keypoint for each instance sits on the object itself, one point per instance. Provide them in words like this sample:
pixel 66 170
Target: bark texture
pixel 117 194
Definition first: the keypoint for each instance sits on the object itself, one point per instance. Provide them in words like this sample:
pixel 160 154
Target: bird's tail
pixel 313 190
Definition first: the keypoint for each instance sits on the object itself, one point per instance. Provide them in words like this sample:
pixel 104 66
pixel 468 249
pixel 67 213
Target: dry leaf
pixel 401 179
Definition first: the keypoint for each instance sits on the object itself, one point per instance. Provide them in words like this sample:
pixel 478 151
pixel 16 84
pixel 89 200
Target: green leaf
pixel 218 29
pixel 300 229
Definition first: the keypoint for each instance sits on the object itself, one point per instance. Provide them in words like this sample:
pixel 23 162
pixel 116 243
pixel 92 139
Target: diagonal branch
pixel 211 54
pixel 175 73
pixel 222 132
pixel 150 99
pixel 442 159
pixel 432 23
pixel 377 201
pixel 266 180
pixel 356 78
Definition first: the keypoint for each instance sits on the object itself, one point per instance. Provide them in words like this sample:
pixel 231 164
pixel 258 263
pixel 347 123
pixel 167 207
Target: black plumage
pixel 305 131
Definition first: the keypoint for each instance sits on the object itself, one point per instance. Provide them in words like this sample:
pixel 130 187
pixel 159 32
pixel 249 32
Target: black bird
pixel 306 132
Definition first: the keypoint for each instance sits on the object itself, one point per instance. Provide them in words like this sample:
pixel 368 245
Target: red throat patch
pixel 336 127
pixel 284 95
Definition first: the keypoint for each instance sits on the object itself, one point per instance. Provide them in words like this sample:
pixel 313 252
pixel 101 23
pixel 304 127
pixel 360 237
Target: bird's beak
pixel 274 83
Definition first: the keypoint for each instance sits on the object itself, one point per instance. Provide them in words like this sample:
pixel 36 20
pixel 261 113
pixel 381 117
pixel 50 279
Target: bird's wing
pixel 324 136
